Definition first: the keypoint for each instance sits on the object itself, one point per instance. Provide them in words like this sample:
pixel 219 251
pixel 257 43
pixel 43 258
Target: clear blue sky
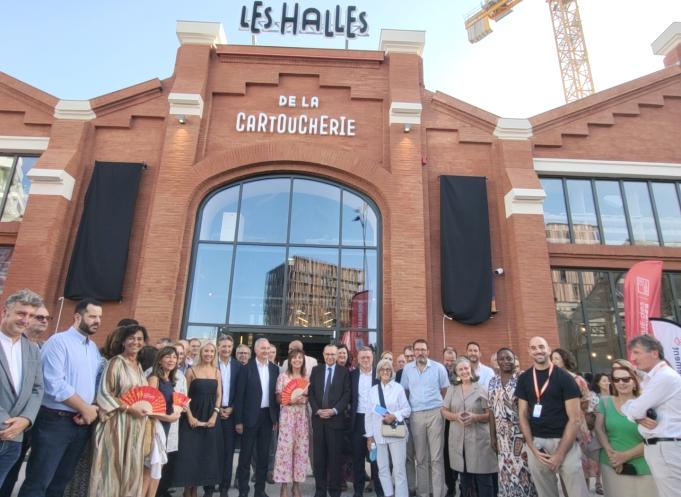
pixel 77 50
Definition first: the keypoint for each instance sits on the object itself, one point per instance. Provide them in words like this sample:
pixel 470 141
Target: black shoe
pixel 224 493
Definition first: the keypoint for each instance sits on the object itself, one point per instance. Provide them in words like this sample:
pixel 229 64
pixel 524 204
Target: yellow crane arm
pixel 477 24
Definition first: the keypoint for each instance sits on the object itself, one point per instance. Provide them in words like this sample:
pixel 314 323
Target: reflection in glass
pixel 640 213
pixel 612 213
pixel 583 212
pixel 358 288
pixel 17 196
pixel 211 280
pixel 668 212
pixel 360 226
pixel 5 259
pixel 264 211
pixel 257 292
pixel 218 221
pixel 675 280
pixel 203 333
pixel 600 311
pixel 315 213
pixel 667 299
pixel 555 213
pixel 312 287
pixel 572 330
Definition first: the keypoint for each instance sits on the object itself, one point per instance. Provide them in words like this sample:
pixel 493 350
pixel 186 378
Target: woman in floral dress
pixel 290 462
pixel 507 440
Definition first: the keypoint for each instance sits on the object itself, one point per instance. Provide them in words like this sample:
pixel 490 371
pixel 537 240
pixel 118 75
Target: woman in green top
pixel 624 470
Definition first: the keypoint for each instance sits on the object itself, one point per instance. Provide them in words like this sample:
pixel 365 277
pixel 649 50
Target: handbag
pixel 395 429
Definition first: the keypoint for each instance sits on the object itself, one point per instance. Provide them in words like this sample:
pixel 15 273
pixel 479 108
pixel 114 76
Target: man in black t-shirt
pixel 549 413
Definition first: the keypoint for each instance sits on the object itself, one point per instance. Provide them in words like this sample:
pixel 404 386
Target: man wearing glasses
pixel 36 330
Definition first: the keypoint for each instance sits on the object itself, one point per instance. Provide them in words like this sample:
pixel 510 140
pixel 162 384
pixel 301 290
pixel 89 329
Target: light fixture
pixel 182 119
pixel 407 127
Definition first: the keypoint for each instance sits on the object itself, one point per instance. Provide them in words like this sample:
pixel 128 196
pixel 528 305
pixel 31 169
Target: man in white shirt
pixel 310 362
pixel 658 414
pixel 484 373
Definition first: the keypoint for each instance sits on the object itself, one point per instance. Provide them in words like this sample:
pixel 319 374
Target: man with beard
pixel 549 416
pixel 71 363
pixel 484 373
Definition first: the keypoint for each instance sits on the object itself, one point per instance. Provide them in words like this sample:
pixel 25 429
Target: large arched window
pixel 286 255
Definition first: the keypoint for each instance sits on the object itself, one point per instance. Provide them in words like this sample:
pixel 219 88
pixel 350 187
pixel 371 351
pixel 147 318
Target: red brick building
pixel 378 146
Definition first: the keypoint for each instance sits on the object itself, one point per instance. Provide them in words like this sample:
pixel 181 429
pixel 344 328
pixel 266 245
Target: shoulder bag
pixel 395 429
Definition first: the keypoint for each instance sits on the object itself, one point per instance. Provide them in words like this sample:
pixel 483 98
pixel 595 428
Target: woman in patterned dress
pixel 290 461
pixel 507 440
pixel 118 458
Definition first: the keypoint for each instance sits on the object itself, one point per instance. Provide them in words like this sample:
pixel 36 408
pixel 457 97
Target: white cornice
pixel 24 144
pixel 670 38
pixel 79 110
pixel 513 129
pixel 402 41
pixel 405 112
pixel 608 168
pixel 200 33
pixel 51 182
pixel 524 201
pixel 188 104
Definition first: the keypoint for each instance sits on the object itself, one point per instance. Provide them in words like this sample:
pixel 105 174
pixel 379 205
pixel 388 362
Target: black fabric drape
pixel 465 258
pixel 100 254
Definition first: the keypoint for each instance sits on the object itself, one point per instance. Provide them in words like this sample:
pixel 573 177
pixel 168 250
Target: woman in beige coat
pixel 470 450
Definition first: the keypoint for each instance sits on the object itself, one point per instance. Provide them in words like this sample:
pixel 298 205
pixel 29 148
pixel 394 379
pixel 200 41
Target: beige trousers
pixel 627 485
pixel 427 430
pixel 546 481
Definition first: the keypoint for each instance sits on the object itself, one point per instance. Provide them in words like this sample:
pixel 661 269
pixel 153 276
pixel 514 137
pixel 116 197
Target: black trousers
pixel 327 445
pixel 167 474
pixel 229 437
pixel 359 453
pixel 255 438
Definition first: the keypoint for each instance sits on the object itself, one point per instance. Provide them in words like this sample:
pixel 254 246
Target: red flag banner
pixel 642 288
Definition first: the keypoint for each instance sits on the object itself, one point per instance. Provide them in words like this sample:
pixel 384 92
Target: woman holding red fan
pixel 118 458
pixel 290 462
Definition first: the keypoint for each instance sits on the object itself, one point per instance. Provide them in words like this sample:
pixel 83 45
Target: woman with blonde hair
pixel 623 467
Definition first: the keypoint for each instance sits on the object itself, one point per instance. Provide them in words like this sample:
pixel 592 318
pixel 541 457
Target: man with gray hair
pixel 310 362
pixel 658 413
pixel 21 376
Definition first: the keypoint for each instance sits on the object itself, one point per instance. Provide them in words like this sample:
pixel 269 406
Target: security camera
pixel 499 271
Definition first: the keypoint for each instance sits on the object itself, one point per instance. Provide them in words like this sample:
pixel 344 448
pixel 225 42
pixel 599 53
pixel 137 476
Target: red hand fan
pixel 180 399
pixel 150 395
pixel 293 390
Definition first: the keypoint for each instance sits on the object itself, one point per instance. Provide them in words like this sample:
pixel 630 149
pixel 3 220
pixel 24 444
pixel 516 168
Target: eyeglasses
pixel 40 317
pixel 622 380
pixel 386 370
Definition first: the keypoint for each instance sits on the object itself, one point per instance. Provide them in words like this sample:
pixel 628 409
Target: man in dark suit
pixel 361 381
pixel 329 396
pixel 256 414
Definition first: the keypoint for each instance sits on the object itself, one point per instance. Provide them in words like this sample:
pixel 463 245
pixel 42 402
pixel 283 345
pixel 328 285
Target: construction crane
pixel 567 31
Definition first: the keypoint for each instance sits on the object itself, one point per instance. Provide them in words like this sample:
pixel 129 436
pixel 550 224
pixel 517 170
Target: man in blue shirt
pixel 426 382
pixel 71 363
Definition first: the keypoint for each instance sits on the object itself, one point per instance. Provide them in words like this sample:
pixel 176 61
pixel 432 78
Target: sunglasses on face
pixel 622 380
pixel 40 317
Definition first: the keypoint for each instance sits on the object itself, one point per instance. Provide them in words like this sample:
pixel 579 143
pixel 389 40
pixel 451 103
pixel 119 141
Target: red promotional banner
pixel 642 287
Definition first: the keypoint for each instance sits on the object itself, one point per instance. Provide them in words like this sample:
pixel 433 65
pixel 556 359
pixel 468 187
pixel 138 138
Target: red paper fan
pixel 294 389
pixel 152 396
pixel 180 399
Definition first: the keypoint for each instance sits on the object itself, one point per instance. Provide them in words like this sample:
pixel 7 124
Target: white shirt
pixel 264 372
pixel 485 375
pixel 396 403
pixel 226 373
pixel 363 390
pixel 661 391
pixel 12 352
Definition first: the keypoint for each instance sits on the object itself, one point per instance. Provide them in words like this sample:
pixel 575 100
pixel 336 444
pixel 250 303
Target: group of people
pixel 422 425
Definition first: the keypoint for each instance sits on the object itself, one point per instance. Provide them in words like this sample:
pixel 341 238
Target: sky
pixel 77 49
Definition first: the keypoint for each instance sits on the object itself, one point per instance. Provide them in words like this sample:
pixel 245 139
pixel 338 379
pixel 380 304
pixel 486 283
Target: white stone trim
pixel 405 112
pixel 51 182
pixel 80 110
pixel 402 41
pixel 24 144
pixel 524 201
pixel 189 104
pixel 670 38
pixel 608 168
pixel 513 129
pixel 200 33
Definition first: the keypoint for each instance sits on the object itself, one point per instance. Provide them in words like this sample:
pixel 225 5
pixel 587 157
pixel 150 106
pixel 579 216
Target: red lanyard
pixel 537 392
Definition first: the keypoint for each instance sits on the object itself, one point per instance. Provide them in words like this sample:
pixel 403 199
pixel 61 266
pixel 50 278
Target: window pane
pixel 668 213
pixel 640 213
pixel 675 279
pixel 312 287
pixel 360 226
pixel 315 213
pixel 612 213
pixel 17 196
pixel 203 333
pixel 218 221
pixel 5 259
pixel 258 288
pixel 600 312
pixel 584 223
pixel 358 288
pixel 264 211
pixel 210 284
pixel 555 214
pixel 571 326
pixel 666 299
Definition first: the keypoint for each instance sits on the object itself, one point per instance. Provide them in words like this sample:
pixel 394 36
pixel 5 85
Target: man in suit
pixel 256 414
pixel 329 396
pixel 361 381
pixel 21 376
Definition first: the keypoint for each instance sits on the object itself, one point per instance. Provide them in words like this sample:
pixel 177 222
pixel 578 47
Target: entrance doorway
pixel 313 344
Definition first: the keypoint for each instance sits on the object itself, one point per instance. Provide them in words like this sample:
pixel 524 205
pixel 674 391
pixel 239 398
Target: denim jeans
pixel 56 448
pixel 9 453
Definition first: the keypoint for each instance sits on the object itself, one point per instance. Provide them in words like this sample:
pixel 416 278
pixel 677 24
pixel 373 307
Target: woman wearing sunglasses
pixel 623 468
